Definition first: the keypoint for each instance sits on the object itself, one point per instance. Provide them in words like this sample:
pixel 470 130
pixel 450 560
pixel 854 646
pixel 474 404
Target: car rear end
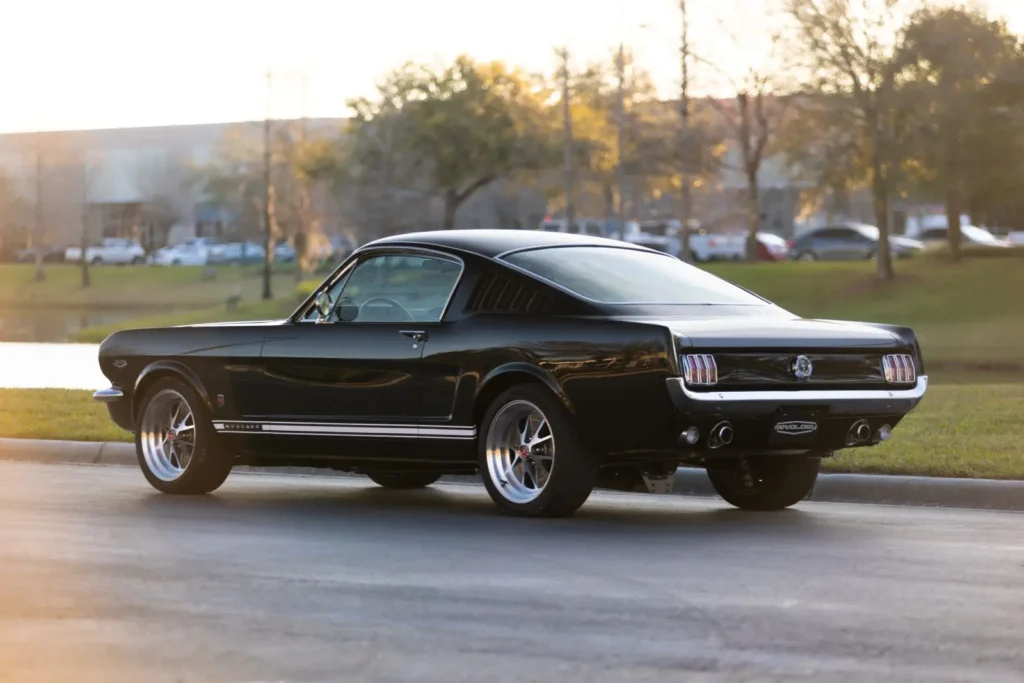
pixel 790 396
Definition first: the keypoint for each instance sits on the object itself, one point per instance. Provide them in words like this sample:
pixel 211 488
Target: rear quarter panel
pixel 610 374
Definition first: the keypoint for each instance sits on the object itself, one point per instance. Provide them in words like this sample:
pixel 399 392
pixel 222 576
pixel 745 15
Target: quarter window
pixel 399 288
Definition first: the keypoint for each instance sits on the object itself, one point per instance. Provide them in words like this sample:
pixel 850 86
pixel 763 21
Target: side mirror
pixel 347 310
pixel 323 305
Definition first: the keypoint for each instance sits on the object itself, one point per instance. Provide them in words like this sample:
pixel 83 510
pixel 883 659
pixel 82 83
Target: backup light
pixel 899 368
pixel 700 369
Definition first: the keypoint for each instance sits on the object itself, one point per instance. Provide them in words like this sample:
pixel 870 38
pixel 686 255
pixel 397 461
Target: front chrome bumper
pixel 678 385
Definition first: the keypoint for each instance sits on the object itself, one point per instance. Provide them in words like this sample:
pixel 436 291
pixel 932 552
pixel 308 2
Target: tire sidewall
pixel 205 463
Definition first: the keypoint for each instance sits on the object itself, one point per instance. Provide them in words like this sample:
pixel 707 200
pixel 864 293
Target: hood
pixel 779 333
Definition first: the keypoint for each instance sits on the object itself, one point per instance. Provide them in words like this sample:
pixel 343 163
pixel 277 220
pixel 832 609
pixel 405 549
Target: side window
pixel 399 288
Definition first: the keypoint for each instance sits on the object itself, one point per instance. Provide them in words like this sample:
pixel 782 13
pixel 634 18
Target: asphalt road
pixel 297 579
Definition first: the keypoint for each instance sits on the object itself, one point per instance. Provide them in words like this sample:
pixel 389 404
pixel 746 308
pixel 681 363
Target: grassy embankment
pixel 969 317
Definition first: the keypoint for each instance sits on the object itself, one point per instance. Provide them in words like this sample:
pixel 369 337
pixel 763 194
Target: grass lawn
pixel 134 286
pixel 959 430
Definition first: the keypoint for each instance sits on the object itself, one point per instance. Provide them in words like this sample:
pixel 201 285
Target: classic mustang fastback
pixel 551 364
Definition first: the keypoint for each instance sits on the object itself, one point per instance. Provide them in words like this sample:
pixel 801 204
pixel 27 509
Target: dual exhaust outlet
pixel 720 435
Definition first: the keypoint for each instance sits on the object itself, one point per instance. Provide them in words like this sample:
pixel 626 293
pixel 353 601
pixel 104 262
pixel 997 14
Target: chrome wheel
pixel 520 451
pixel 168 435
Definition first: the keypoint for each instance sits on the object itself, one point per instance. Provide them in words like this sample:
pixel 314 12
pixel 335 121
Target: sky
pixel 83 64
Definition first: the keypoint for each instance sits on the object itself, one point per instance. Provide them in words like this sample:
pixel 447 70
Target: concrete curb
pixel 984 494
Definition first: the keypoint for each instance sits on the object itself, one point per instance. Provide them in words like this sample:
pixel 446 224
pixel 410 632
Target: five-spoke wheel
pixel 523 472
pixel 175 443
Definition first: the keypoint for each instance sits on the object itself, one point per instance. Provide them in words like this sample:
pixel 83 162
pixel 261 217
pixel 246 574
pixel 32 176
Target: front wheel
pixel 403 480
pixel 175 443
pixel 764 483
pixel 532 460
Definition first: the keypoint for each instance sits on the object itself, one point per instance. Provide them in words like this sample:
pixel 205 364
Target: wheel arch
pixel 167 368
pixel 501 378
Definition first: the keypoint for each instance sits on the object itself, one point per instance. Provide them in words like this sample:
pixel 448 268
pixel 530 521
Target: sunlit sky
pixel 113 63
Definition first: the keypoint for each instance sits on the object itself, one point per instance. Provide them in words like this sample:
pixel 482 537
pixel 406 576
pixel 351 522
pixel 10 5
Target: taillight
pixel 899 368
pixel 700 369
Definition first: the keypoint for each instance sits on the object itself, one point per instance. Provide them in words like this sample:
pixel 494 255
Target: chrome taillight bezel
pixel 899 368
pixel 699 369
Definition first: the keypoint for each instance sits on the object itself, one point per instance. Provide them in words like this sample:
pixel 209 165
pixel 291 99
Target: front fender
pixel 172 367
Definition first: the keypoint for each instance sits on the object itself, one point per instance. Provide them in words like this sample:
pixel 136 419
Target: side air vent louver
pixel 501 294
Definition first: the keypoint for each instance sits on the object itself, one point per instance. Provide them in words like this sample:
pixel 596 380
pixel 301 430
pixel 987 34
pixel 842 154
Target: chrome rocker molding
pixel 108 395
pixel 362 430
pixel 802 394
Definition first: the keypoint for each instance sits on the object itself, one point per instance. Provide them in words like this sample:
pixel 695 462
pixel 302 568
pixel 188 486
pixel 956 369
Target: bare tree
pixel 752 115
pixel 37 217
pixel 89 171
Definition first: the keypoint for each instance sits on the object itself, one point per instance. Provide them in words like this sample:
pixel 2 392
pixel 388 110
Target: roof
pixel 491 243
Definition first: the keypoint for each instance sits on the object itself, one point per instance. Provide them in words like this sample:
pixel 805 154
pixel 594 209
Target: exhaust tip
pixel 725 434
pixel 720 435
pixel 859 433
pixel 884 432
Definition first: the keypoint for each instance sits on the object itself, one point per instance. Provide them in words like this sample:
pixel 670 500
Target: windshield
pixel 612 275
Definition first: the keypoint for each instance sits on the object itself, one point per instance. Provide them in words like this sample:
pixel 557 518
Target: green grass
pixel 958 430
pixel 133 286
pixel 64 414
pixel 966 313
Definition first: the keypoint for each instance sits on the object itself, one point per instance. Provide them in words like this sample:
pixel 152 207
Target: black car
pixel 549 363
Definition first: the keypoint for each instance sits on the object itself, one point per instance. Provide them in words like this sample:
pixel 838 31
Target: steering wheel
pixel 390 302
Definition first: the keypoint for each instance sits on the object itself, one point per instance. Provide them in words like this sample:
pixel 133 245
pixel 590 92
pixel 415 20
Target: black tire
pixel 208 466
pixel 807 256
pixel 403 480
pixel 777 481
pixel 573 471
pixel 97 261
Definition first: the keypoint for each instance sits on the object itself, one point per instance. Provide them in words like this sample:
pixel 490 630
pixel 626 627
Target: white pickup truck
pixel 110 250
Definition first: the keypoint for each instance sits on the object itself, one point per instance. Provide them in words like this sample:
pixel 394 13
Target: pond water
pixel 54 325
pixel 50 366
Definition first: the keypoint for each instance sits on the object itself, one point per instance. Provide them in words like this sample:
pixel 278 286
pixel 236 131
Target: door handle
pixel 417 335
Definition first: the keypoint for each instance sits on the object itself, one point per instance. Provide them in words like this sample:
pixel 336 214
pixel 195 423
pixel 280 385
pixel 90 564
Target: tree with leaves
pixel 850 48
pixel 466 125
pixel 951 58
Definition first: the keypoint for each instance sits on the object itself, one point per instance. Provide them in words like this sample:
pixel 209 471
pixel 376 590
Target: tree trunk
pixel 753 214
pixel 40 274
pixel 451 205
pixel 880 199
pixel 85 263
pixel 954 205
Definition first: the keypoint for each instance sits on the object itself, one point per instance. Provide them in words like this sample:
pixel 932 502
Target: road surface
pixel 301 579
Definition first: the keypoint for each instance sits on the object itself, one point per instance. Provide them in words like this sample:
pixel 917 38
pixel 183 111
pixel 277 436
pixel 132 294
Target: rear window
pixel 611 275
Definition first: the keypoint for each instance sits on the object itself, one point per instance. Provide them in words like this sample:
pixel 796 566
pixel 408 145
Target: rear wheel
pixel 175 443
pixel 807 256
pixel 765 483
pixel 403 480
pixel 533 463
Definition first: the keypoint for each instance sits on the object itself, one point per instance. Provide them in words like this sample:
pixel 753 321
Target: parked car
pixel 237 253
pixel 849 241
pixel 117 250
pixel 513 353
pixel 580 226
pixel 51 254
pixel 969 234
pixel 705 246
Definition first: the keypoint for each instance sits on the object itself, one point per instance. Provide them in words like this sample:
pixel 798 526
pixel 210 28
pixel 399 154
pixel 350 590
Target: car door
pixel 352 383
